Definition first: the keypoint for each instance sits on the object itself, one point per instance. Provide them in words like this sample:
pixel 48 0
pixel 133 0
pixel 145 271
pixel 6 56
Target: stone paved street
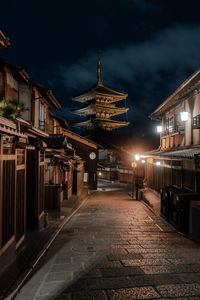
pixel 116 248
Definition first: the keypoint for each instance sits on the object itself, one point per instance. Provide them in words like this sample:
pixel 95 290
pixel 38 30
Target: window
pixel 41 156
pixel 42 116
pixel 196 122
pixel 20 156
pixel 171 124
pixel 8 145
pixel 167 124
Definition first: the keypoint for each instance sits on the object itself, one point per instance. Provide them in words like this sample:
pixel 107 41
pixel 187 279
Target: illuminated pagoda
pixel 100 106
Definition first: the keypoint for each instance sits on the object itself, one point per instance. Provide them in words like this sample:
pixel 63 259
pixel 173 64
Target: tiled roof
pixel 47 93
pixel 4 41
pixel 188 84
pixel 56 141
pixel 184 153
pixel 99 89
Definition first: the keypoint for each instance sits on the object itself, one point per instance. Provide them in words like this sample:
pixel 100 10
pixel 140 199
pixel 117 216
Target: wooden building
pixel 64 172
pixel 36 157
pixel 88 151
pixel 12 189
pixel 22 158
pixel 99 107
pixel 175 166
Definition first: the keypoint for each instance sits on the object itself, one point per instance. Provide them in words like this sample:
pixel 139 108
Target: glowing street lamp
pixel 135 168
pixel 159 129
pixel 184 116
pixel 137 157
pixel 134 165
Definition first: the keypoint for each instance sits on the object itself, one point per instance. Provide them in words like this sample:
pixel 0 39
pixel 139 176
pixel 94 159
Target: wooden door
pixel 8 200
pixel 20 205
pixel 31 188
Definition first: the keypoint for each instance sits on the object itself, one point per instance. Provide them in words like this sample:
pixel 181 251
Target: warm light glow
pixel 184 116
pixel 159 129
pixel 158 163
pixel 134 165
pixel 100 173
pixel 143 161
pixel 137 157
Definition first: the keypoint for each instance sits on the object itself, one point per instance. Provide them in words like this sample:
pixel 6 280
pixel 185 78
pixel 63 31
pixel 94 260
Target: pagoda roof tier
pixel 108 124
pixel 98 108
pixel 111 110
pixel 98 91
pixel 85 111
pixel 88 124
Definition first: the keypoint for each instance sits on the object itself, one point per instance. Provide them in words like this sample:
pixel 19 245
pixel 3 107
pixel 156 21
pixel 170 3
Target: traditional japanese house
pixel 64 169
pixel 174 168
pixel 99 107
pixel 22 155
pixel 88 151
pixel 12 189
pixel 39 102
pixel 34 150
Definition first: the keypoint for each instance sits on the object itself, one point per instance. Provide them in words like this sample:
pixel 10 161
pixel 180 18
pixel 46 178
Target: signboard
pixel 92 155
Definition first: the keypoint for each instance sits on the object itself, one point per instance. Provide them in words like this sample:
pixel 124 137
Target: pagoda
pixel 100 106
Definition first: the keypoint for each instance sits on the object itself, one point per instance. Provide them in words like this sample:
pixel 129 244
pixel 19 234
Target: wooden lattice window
pixel 20 156
pixel 8 145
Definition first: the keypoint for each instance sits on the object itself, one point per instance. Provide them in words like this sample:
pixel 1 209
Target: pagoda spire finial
pixel 99 68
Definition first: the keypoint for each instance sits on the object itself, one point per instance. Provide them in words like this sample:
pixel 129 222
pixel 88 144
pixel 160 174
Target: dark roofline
pixel 20 73
pixel 4 41
pixel 81 137
pixel 92 90
pixel 48 95
pixel 60 119
pixel 175 96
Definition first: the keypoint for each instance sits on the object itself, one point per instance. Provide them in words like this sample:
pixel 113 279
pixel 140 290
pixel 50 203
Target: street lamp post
pixel 134 166
pixel 137 158
pixel 137 184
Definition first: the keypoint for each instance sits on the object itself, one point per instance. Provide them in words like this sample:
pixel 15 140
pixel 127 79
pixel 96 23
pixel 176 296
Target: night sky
pixel 148 48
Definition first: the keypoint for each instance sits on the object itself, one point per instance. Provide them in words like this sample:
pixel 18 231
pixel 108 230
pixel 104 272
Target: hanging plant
pixel 11 108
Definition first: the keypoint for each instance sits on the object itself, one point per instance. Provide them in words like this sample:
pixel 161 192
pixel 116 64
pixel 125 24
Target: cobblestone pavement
pixel 116 248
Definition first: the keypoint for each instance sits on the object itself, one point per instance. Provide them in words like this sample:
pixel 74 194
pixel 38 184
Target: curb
pixel 44 250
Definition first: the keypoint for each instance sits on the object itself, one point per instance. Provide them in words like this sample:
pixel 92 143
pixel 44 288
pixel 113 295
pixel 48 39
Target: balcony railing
pixel 176 129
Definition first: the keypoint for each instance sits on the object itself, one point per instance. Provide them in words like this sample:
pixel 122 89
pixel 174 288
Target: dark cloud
pixel 142 5
pixel 148 47
pixel 148 71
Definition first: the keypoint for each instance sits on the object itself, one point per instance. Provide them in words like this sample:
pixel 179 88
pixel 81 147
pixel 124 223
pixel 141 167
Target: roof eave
pixel 174 97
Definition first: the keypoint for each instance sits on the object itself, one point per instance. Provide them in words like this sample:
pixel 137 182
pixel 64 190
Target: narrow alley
pixel 116 248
